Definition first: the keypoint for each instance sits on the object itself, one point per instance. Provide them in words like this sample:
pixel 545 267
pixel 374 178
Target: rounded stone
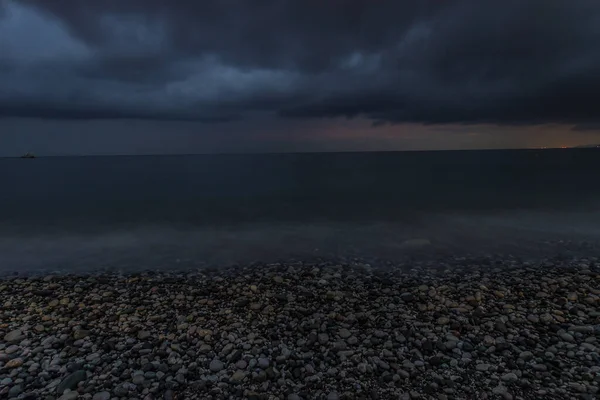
pixel 101 396
pixel 14 363
pixel 333 396
pixel 526 355
pixel 263 363
pixel 14 336
pixel 71 381
pixel 216 365
pixel 15 391
pixel 510 377
pixel 345 333
pixel 323 338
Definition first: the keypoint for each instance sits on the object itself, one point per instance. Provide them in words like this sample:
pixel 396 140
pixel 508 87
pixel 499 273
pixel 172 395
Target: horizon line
pixel 582 147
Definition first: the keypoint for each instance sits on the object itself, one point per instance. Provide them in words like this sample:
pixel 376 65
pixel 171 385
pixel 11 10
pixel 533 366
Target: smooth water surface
pixel 67 212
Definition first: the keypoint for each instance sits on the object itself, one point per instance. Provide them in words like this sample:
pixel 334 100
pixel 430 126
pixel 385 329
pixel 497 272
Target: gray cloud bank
pixel 442 61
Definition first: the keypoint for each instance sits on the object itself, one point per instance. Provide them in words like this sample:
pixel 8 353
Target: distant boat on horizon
pixel 28 155
pixel 588 146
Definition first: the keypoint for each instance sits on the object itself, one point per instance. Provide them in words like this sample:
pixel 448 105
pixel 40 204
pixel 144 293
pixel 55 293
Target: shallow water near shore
pixel 86 213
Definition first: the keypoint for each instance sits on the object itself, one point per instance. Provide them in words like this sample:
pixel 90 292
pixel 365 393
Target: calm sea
pixel 148 211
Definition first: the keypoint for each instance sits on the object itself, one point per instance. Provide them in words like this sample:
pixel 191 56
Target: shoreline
pixel 172 250
pixel 494 327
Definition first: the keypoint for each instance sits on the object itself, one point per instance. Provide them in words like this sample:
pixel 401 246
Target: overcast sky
pixel 157 76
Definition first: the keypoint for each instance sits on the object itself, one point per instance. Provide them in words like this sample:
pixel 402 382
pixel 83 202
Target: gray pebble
pixel 345 333
pixel 15 391
pixel 567 337
pixel 263 363
pixel 216 365
pixel 510 377
pixel 482 367
pixel 14 336
pixel 526 355
pixel 323 338
pixel 333 396
pixel 71 381
pixel 70 395
pixel 101 396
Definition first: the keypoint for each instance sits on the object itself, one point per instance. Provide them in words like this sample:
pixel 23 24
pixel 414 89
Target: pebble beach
pixel 457 328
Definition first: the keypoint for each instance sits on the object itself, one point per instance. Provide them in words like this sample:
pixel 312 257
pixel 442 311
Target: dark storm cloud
pixel 593 126
pixel 70 111
pixel 442 61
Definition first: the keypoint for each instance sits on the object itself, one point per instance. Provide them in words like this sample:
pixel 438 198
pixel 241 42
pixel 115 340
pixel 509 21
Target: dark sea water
pixel 71 213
